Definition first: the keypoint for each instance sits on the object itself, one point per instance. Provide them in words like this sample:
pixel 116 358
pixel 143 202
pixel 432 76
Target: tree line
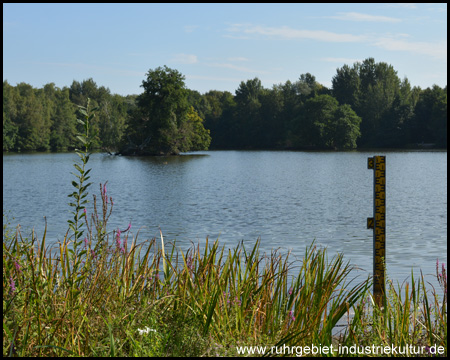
pixel 367 106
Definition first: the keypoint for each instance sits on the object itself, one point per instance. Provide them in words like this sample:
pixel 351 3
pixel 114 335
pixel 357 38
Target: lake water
pixel 287 199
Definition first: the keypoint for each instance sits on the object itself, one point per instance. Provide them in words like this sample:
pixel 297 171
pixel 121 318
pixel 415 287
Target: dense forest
pixel 368 106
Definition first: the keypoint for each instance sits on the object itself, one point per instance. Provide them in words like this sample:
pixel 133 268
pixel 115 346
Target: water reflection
pixel 166 160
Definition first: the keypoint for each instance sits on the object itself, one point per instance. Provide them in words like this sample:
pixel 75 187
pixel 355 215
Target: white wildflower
pixel 146 330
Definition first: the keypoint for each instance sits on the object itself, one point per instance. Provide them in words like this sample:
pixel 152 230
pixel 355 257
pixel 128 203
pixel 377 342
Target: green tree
pixel 294 96
pixel 290 111
pixel 308 87
pixel 87 89
pixel 219 118
pixel 379 87
pixel 370 88
pixel 160 124
pixel 345 129
pixel 164 102
pixel 271 129
pixel 99 97
pixel 324 124
pixel 32 122
pixel 346 85
pixel 199 102
pixel 429 123
pixel 112 121
pixel 394 126
pixel 10 129
pixel 199 137
pixel 315 118
pixel 247 124
pixel 63 130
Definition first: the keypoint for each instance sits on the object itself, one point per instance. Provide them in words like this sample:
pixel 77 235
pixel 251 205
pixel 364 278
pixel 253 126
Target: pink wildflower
pixel 17 265
pixel 291 315
pixel 128 228
pixel 13 286
pixel 118 237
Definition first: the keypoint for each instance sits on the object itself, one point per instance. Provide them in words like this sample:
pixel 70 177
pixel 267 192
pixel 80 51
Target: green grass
pixel 205 301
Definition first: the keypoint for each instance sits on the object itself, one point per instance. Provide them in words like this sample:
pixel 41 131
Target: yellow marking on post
pixel 378 224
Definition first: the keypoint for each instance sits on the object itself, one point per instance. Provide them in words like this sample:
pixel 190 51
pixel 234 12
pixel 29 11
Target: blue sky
pixel 216 46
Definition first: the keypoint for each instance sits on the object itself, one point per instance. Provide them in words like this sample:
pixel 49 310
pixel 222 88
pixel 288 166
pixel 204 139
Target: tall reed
pixel 411 315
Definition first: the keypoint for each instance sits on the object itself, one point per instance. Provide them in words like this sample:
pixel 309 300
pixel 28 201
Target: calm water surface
pixel 287 199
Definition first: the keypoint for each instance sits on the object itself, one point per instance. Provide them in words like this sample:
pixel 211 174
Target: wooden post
pixel 378 224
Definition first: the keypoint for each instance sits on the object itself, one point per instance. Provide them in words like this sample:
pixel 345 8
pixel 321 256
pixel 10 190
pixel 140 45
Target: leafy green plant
pixel 81 188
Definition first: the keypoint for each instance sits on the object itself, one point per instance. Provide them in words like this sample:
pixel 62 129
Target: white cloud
pixel 185 59
pixel 440 8
pixel 390 42
pixel 353 16
pixel 286 32
pixel 437 50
